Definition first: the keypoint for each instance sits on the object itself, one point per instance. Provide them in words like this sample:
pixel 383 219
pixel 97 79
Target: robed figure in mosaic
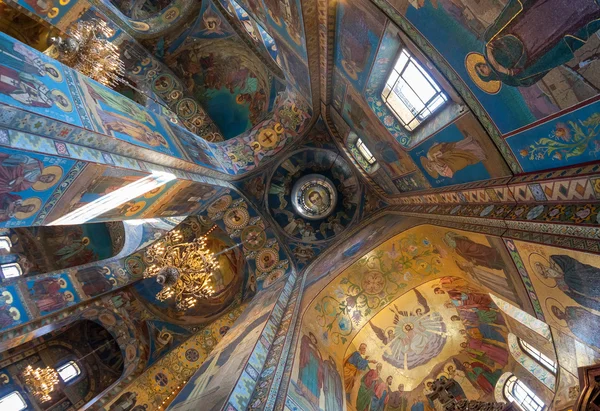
pixel 530 38
pixel 311 369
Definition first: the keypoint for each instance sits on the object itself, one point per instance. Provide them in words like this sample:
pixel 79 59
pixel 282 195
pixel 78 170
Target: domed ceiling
pixel 313 195
pixel 228 80
pixel 227 279
pixel 412 309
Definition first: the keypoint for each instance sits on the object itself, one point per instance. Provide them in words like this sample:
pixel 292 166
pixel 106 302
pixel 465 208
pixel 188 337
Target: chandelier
pixel 40 381
pixel 183 268
pixel 88 51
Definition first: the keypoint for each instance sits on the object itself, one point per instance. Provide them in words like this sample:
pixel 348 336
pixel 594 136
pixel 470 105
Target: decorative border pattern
pixel 455 80
pixel 510 245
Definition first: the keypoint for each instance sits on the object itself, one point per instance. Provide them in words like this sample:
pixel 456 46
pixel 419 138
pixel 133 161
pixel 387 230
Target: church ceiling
pixel 523 121
pixel 414 308
pixel 227 280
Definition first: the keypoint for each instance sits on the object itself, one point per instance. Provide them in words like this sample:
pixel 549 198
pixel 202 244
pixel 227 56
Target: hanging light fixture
pixel 40 381
pixel 184 269
pixel 88 51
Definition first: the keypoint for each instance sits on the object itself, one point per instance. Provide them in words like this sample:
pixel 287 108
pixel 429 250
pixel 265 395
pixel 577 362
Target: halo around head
pixel 36 202
pixel 428 167
pixel 64 104
pixel 57 171
pixel 471 61
pixel 136 208
pixel 53 72
pixel 535 260
pixel 550 302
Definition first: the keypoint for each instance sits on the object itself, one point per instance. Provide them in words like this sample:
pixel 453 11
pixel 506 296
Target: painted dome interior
pixel 403 198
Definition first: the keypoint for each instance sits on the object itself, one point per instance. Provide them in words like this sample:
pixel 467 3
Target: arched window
pixel 367 155
pixel 538 356
pixel 68 371
pixel 411 93
pixel 544 374
pixel 11 270
pixel 361 153
pixel 13 401
pixel 5 243
pixel 524 318
pixel 516 391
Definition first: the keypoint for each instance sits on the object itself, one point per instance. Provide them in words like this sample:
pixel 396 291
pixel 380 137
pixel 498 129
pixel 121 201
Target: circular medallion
pixel 134 266
pixel 192 355
pixel 130 352
pixel 220 204
pixel 171 14
pixel 236 218
pixel 314 196
pixel 163 83
pixel 373 282
pixel 266 259
pixel 274 276
pixel 268 138
pixel 254 237
pixel 161 379
pixel 107 319
pixel 186 108
pixel 91 313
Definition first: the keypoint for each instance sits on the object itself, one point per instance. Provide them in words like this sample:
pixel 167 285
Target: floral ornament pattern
pixel 567 140
pixel 373 282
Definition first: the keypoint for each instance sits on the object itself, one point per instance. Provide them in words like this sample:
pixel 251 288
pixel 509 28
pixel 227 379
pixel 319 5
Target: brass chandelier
pixel 40 381
pixel 88 51
pixel 183 268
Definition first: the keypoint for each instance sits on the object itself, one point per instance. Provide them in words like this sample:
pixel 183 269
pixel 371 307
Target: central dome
pixel 314 196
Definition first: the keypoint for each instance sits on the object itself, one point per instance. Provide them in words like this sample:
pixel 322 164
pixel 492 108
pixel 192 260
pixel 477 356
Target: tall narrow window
pixel 515 390
pixel 5 243
pixel 11 270
pixel 411 93
pixel 365 152
pixel 538 356
pixel 68 371
pixel 13 402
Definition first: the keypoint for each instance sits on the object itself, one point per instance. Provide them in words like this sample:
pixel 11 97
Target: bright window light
pixel 115 199
pixel 68 371
pixel 365 151
pixel 411 93
pixel 11 270
pixel 538 356
pixel 141 221
pixel 13 402
pixel 515 390
pixel 5 243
